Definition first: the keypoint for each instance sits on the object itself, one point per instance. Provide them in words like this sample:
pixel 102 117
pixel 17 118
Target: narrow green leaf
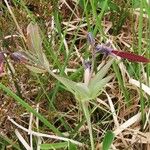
pixel 96 89
pixel 113 6
pixel 45 62
pixel 121 83
pixel 100 74
pixel 54 145
pixel 67 83
pixel 35 69
pixel 108 139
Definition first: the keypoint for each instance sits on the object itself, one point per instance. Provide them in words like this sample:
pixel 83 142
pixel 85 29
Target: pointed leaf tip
pixel 108 139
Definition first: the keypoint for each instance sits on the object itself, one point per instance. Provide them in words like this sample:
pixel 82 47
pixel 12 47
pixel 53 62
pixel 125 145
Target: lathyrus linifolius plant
pixel 35 60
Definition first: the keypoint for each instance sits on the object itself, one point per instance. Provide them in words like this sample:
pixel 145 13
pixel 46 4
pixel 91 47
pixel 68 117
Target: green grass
pixel 70 106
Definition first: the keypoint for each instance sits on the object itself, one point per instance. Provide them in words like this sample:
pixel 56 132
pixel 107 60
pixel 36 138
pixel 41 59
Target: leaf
pixel 36 69
pixel 80 90
pixel 135 3
pixel 100 75
pixel 96 89
pixel 108 139
pixel 113 6
pixel 103 4
pixel 68 83
pixel 83 4
pixel 45 62
pixel 34 41
pixel 54 146
pixel 72 146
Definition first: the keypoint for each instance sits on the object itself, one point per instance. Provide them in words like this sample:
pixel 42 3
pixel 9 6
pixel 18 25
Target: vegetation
pixel 57 92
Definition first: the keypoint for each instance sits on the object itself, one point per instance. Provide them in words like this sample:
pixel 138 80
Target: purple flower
pixel 19 57
pixel 103 49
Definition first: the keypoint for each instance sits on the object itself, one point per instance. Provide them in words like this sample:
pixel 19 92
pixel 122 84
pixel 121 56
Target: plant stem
pixel 87 116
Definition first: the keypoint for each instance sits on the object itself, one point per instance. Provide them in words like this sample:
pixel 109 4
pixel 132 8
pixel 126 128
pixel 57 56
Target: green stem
pixel 87 116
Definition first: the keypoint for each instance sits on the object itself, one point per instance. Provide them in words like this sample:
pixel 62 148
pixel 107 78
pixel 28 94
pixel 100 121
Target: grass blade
pixel 108 139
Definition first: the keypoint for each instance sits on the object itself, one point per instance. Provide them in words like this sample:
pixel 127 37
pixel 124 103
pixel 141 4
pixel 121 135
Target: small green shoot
pixel 108 139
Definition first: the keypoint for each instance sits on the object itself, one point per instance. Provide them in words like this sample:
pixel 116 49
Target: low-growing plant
pixel 35 60
pixel 83 92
